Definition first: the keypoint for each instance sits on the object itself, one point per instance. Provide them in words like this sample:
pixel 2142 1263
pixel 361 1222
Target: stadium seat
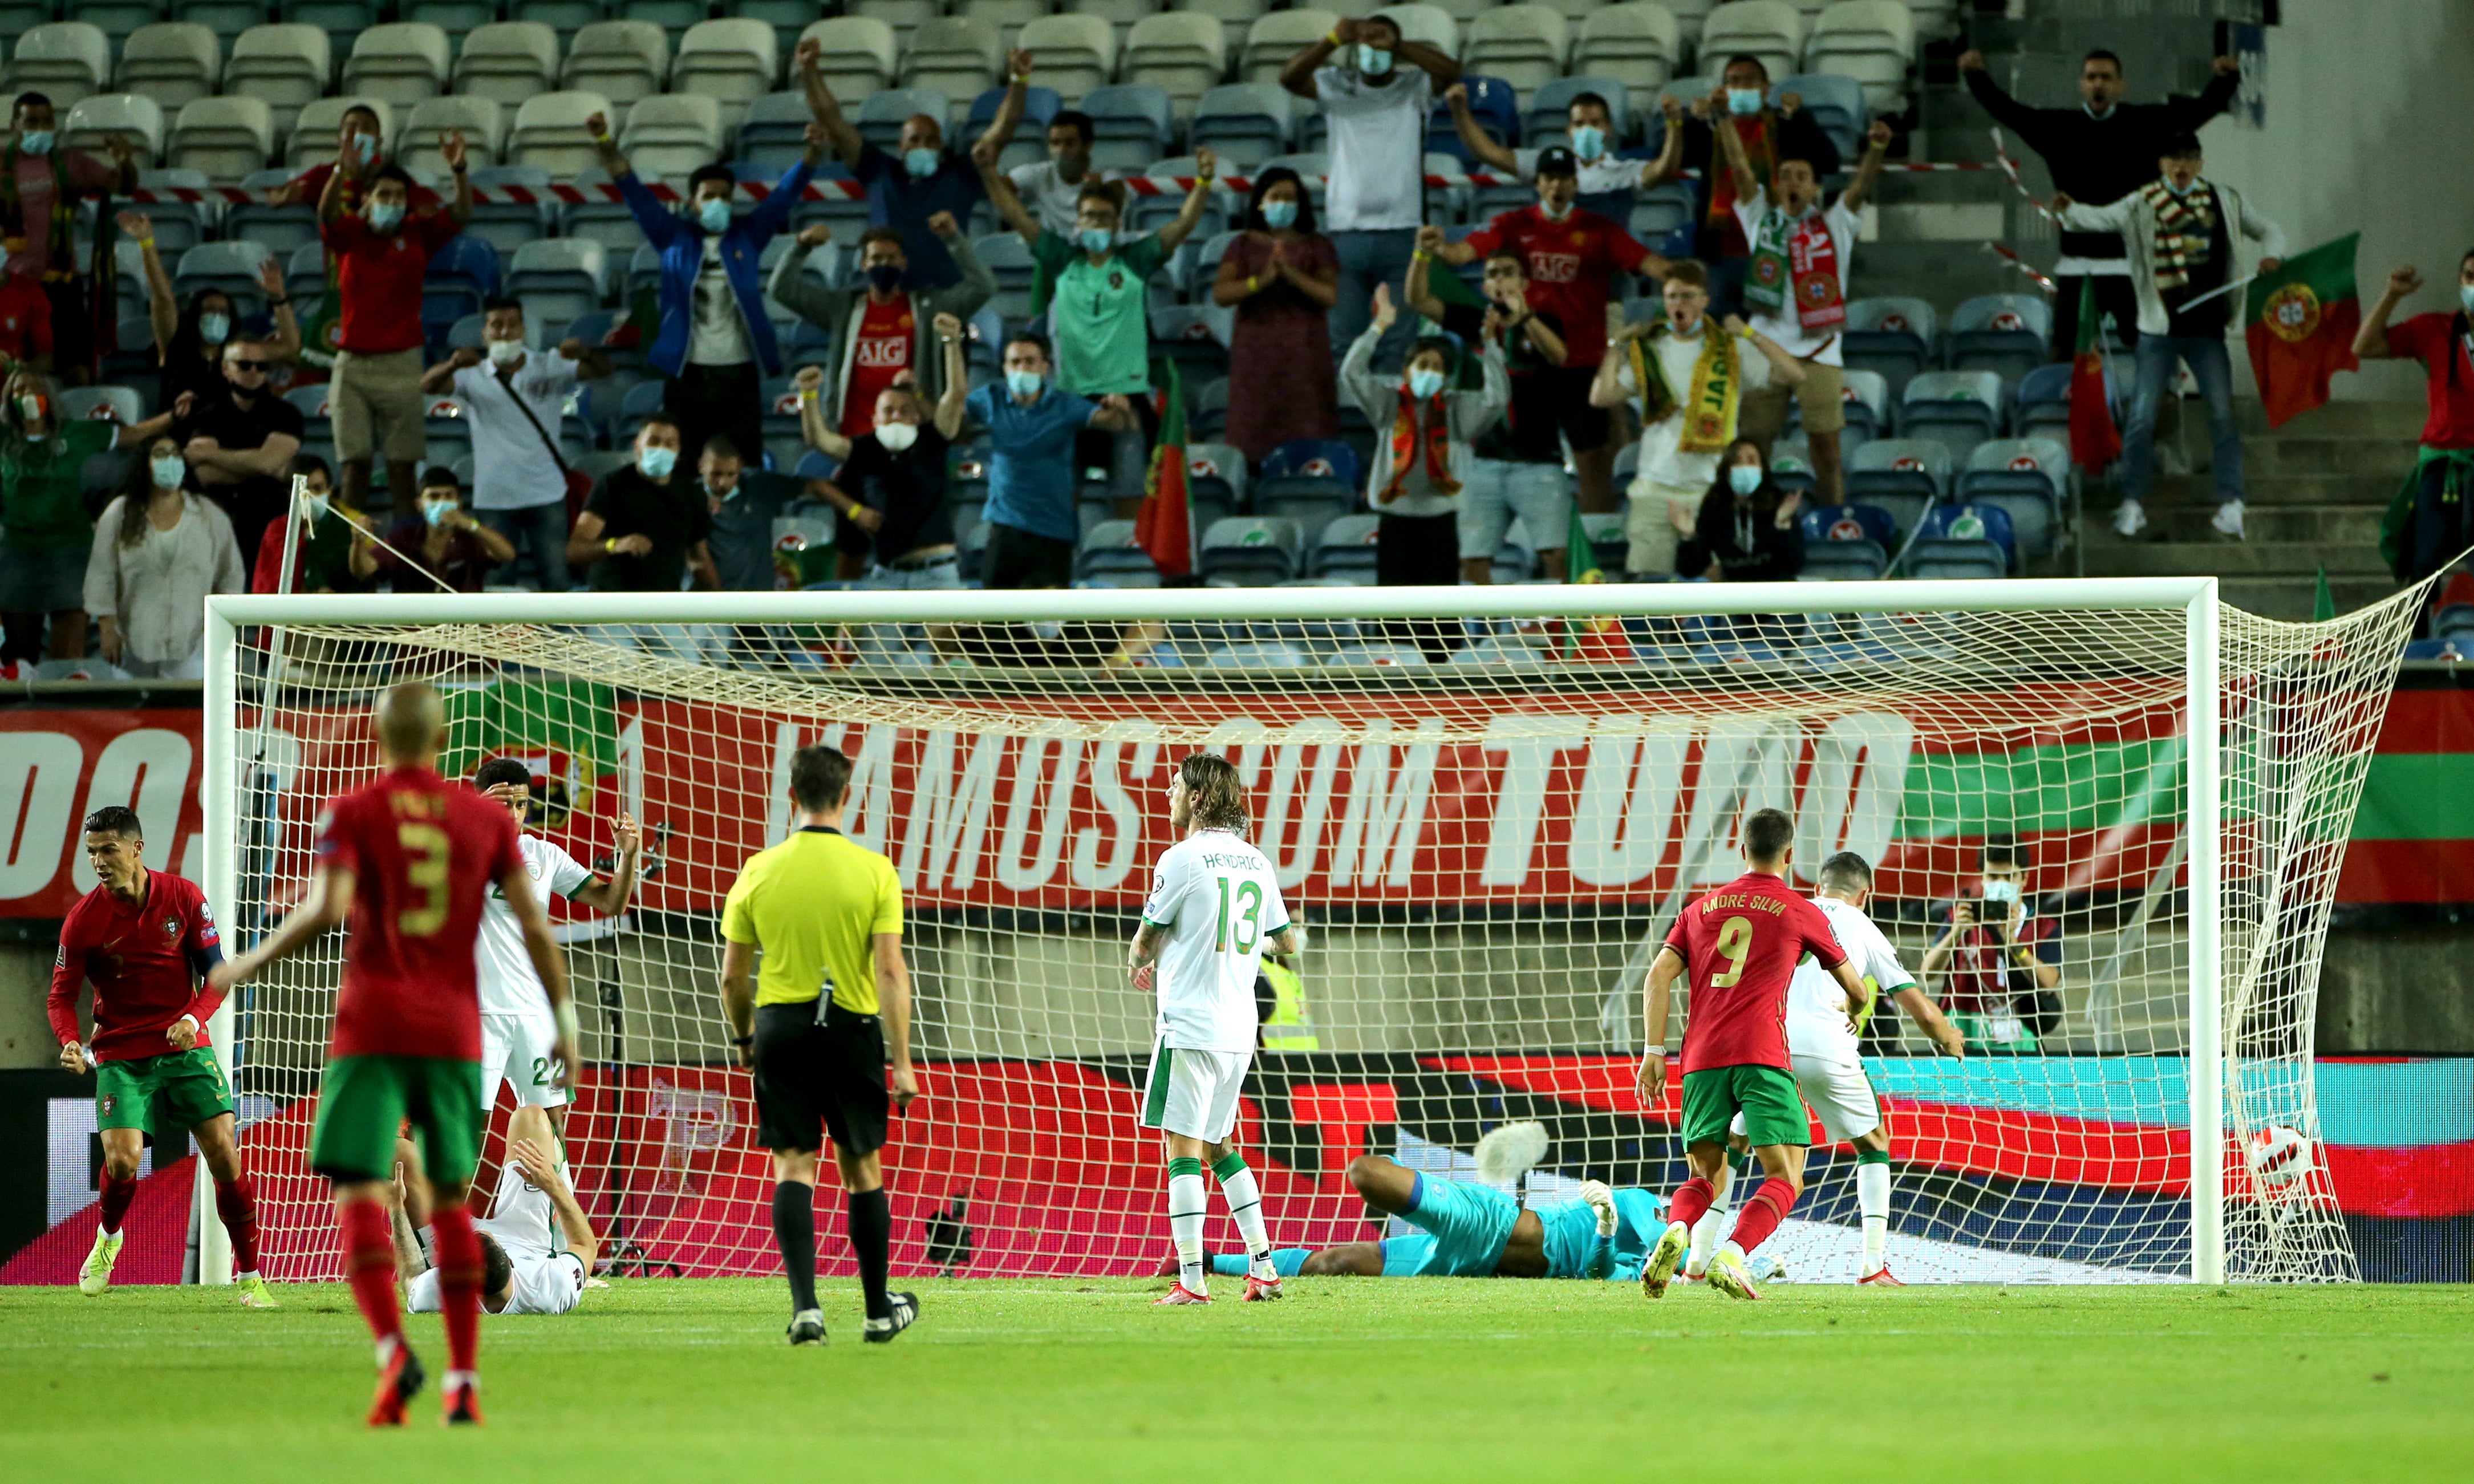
pixel 955 57
pixel 774 131
pixel 225 18
pixel 1836 104
pixel 1252 551
pixel 173 62
pixel 1791 464
pixel 1770 30
pixel 285 66
pixel 1312 501
pixel 1214 481
pixel 1272 40
pixel 549 133
pixel 1873 42
pixel 1030 142
pixel 599 217
pixel 1207 408
pixel 673 16
pixel 311 140
pixel 1428 25
pixel 1893 336
pixel 1195 336
pixel 119 405
pixel 66 60
pixel 458 19
pixel 1961 541
pixel 1904 476
pixel 1183 54
pixel 482 120
pixel 1076 53
pixel 230 266
pixel 673 134
pixel 509 62
pixel 1492 102
pixel 1638 42
pixel 86 123
pixel 1609 547
pixel 2008 334
pixel 1235 17
pixel 1548 118
pixel 1669 209
pixel 730 62
pixel 1108 549
pixel 1326 458
pixel 1246 123
pixel 2026 478
pixel 341 19
pixel 402 63
pixel 225 138
pixel 903 16
pixel 858 55
pixel 1959 408
pixel 1845 542
pixel 303 255
pixel 1133 125
pixel 559 279
pixel 882 113
pixel 1009 262
pixel 180 225
pixel 462 273
pixel 1523 44
pixel 508 225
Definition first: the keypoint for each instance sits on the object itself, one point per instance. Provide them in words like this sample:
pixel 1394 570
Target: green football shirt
pixel 42 495
pixel 1097 314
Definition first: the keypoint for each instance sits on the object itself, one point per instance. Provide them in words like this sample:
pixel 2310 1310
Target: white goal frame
pixel 2197 596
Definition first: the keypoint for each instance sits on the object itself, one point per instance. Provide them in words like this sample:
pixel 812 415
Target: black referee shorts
pixel 810 1073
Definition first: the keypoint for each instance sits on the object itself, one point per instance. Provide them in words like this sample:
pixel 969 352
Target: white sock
pixel 1186 1204
pixel 1873 1199
pixel 1245 1201
pixel 1705 1232
pixel 455 1378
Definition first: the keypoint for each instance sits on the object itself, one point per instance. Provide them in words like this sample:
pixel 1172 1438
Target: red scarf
pixel 1812 262
pixel 1438 447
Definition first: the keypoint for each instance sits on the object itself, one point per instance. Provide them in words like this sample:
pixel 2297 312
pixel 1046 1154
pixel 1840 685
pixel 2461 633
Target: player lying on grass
pixel 145 938
pixel 536 1244
pixel 1821 1042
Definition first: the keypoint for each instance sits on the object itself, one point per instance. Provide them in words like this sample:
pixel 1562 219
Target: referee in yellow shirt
pixel 826 912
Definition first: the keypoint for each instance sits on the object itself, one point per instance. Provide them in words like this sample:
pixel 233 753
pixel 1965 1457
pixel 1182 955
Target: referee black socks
pixel 871 1237
pixel 794 1232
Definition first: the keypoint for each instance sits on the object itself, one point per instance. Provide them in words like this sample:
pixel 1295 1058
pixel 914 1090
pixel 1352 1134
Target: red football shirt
pixel 1571 267
pixel 378 275
pixel 25 317
pixel 1741 945
pixel 2448 373
pixel 423 853
pixel 881 349
pixel 145 961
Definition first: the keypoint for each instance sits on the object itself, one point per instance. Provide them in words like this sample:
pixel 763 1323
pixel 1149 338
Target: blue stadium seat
pixel 1009 260
pixel 1492 99
pixel 1195 336
pixel 1957 408
pixel 1311 500
pixel 1134 124
pixel 2026 478
pixel 1321 457
pixel 1902 477
pixel 1962 540
pixel 1893 336
pixel 1833 102
pixel 1030 143
pixel 1247 123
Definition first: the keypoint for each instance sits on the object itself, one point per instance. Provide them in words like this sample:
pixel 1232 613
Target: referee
pixel 826 912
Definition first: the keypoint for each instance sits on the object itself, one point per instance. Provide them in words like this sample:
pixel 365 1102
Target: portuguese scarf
pixel 1709 404
pixel 1404 447
pixel 2183 227
pixel 1798 255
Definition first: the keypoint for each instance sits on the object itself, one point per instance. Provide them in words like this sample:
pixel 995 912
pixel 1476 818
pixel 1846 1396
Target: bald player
pixel 406 864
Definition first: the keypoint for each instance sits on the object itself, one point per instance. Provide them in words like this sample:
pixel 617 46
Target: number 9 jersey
pixel 1740 944
pixel 424 854
pixel 1219 902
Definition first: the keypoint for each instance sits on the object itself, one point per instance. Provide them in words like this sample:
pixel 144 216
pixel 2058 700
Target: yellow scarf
pixel 1717 389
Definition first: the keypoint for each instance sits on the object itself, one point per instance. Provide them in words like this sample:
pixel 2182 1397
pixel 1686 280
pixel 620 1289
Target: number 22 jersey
pixel 1219 900
pixel 1740 944
pixel 423 853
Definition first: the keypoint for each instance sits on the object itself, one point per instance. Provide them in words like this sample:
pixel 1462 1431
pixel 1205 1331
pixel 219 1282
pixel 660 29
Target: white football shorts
pixel 517 1049
pixel 1839 1094
pixel 1194 1092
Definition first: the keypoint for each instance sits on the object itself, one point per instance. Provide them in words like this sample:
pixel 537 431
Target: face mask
pixel 366 146
pixel 724 495
pixel 897 436
pixel 215 329
pixel 1424 382
pixel 385 215
pixel 2182 190
pixel 1024 383
pixel 1554 212
pixel 1743 100
pixel 168 472
pixel 921 163
pixel 30 408
pixel 713 214
pixel 1279 215
pixel 1588 141
pixel 35 141
pixel 506 352
pixel 656 462
pixel 1744 478
pixel 313 506
pixel 884 278
pixel 2005 892
pixel 1095 239
pixel 436 511
pixel 2466 296
pixel 1371 62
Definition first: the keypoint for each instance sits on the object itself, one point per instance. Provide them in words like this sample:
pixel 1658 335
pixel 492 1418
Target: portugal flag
pixel 1164 526
pixel 2301 327
pixel 1589 641
pixel 2095 441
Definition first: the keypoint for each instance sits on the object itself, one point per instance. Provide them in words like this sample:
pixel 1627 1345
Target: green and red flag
pixel 2301 325
pixel 1164 526
pixel 1589 641
pixel 2095 441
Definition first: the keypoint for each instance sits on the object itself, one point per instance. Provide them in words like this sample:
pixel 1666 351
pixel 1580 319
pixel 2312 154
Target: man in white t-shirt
pixel 1376 198
pixel 536 1244
pixel 1687 379
pixel 1822 1047
pixel 1050 189
pixel 516 1031
pixel 1213 909
pixel 1796 289
pixel 1608 182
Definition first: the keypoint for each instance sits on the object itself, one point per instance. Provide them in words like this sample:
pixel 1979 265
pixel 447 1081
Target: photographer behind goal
pixel 2003 957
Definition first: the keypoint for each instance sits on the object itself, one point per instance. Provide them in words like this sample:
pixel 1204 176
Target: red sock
pixel 368 1262
pixel 1692 1202
pixel 1763 1213
pixel 238 1210
pixel 117 1192
pixel 459 1283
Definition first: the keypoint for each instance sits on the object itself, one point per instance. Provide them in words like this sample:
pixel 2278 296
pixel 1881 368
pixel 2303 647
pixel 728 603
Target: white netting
pixel 1482 849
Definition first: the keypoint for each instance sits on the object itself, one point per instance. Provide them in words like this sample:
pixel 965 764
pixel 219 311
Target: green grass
pixel 1432 1380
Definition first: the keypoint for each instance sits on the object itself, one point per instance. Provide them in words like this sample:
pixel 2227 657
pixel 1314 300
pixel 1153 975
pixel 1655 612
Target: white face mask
pixel 897 437
pixel 506 352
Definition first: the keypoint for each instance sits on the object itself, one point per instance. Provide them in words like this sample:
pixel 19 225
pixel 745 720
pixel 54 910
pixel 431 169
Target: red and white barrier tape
pixel 2011 256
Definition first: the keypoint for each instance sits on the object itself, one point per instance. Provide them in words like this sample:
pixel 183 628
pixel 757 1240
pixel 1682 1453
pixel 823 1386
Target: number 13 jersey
pixel 1218 901
pixel 1740 944
pixel 423 853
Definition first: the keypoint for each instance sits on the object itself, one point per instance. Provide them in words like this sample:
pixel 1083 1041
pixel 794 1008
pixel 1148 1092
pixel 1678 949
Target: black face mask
pixel 884 278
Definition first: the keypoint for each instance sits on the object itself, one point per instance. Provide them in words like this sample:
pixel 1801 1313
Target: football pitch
pixel 1421 1379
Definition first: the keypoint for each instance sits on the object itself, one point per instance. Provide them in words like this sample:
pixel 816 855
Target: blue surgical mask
pixel 656 462
pixel 215 329
pixel 1424 382
pixel 1743 100
pixel 385 215
pixel 921 163
pixel 436 511
pixel 1744 478
pixel 2181 190
pixel 168 470
pixel 2466 296
pixel 1279 215
pixel 1095 239
pixel 366 146
pixel 1024 383
pixel 1371 62
pixel 713 214
pixel 1588 141
pixel 35 141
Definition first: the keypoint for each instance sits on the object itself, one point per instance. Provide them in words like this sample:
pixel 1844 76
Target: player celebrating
pixel 1214 907
pixel 536 1244
pixel 517 1027
pixel 145 938
pixel 406 860
pixel 1740 944
pixel 1821 1029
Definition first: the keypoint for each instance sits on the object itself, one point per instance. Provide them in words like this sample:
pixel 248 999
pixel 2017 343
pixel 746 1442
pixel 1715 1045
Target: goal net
pixel 1487 805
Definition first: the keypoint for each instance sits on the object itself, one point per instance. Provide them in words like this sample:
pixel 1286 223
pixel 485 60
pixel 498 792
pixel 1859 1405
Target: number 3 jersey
pixel 510 986
pixel 1740 944
pixel 421 852
pixel 1218 901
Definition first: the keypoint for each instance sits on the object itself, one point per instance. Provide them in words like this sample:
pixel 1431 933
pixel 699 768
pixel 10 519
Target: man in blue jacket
pixel 715 343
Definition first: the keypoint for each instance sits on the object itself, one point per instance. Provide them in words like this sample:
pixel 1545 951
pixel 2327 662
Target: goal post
pixel 1486 800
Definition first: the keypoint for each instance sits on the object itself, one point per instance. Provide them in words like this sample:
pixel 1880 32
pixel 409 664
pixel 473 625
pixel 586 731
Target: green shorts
pixel 174 1092
pixel 364 1100
pixel 1766 1095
